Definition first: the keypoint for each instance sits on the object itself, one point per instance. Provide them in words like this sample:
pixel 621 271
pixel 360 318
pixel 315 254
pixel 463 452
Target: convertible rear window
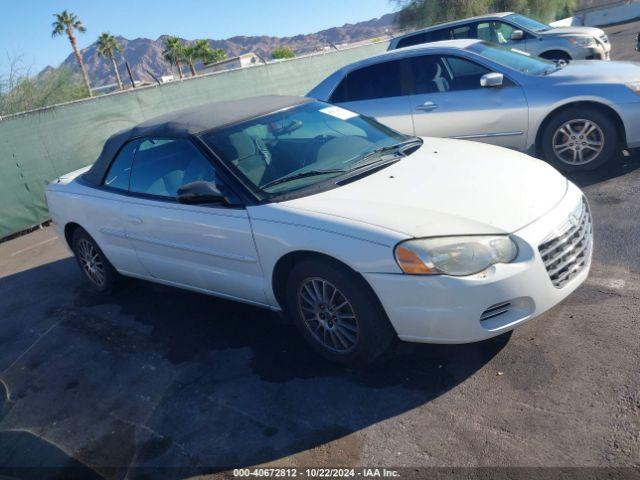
pixel 120 170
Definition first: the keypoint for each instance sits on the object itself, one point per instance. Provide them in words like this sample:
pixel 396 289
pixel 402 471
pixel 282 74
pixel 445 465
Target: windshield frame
pixel 513 18
pixel 261 197
pixel 474 49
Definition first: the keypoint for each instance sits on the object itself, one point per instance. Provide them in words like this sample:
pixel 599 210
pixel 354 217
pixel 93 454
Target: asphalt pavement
pixel 158 382
pixel 623 41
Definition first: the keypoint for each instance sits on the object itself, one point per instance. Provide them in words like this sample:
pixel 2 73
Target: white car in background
pixel 359 233
pixel 517 31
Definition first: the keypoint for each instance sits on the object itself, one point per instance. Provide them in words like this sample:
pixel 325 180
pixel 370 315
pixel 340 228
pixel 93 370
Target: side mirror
pixel 200 192
pixel 493 79
pixel 517 35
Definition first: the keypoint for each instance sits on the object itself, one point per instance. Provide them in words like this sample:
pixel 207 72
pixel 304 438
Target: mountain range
pixel 145 59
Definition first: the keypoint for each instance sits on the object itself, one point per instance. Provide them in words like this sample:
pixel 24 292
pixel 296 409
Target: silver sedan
pixel 578 115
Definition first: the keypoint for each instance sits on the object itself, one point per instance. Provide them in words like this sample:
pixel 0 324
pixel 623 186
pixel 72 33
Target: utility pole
pixel 153 76
pixel 133 84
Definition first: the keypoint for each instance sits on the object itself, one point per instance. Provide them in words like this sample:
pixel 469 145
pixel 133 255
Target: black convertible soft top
pixel 188 122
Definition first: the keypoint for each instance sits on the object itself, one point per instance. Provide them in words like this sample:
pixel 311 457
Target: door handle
pixel 135 220
pixel 427 106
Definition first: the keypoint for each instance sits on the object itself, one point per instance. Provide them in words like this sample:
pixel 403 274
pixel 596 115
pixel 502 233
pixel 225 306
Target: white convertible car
pixel 358 233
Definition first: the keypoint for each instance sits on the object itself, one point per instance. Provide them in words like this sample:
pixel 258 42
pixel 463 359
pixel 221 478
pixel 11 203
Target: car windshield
pixel 514 58
pixel 528 23
pixel 302 146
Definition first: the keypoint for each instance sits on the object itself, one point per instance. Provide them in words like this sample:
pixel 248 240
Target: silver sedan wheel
pixel 328 315
pixel 578 141
pixel 91 262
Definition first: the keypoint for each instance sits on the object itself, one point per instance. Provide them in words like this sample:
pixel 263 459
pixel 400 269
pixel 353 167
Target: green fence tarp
pixel 36 147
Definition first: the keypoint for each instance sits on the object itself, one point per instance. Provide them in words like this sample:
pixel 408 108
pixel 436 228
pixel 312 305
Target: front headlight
pixel 456 256
pixel 634 86
pixel 584 41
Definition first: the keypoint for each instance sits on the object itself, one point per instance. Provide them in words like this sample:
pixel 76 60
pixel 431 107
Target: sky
pixel 25 25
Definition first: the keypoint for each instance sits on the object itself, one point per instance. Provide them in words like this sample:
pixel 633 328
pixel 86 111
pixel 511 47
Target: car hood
pixel 447 187
pixel 582 31
pixel 589 71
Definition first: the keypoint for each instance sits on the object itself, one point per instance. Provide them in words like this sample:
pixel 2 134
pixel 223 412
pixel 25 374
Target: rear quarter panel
pixel 96 211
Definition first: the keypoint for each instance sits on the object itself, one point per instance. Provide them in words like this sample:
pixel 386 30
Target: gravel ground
pixel 167 383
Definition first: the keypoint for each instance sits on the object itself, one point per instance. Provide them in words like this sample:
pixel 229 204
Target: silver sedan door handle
pixel 427 106
pixel 134 220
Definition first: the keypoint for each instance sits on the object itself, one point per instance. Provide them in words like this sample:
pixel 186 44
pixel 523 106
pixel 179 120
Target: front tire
pixel 579 139
pixel 556 55
pixel 92 262
pixel 337 313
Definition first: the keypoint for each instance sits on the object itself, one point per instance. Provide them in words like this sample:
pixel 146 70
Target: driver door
pixel 206 247
pixel 448 101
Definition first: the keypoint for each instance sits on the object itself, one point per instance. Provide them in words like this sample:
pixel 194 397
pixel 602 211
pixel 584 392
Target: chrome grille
pixel 604 39
pixel 495 310
pixel 567 250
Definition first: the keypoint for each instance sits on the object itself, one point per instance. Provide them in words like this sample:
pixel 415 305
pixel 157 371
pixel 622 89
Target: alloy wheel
pixel 578 141
pixel 91 262
pixel 328 315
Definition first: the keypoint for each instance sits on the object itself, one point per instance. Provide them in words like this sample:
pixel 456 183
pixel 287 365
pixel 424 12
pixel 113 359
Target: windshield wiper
pixel 297 175
pixel 362 162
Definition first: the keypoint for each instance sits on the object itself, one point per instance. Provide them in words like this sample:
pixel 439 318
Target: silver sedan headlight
pixel 456 256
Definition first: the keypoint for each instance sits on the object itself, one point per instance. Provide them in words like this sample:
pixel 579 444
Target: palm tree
pixel 189 55
pixel 202 50
pixel 67 22
pixel 173 52
pixel 107 46
pixel 218 55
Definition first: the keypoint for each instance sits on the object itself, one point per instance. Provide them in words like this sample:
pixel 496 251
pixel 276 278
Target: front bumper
pixel 630 115
pixel 444 309
pixel 602 51
pixel 598 54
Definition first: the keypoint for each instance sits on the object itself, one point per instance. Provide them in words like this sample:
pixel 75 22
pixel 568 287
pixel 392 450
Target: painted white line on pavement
pixel 31 247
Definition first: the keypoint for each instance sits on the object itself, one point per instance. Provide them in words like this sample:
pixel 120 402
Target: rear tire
pixel 579 139
pixel 92 262
pixel 337 313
